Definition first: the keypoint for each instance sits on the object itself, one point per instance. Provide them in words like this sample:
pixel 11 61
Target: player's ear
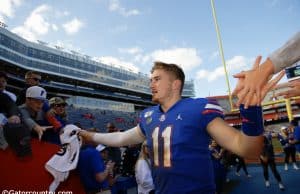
pixel 177 84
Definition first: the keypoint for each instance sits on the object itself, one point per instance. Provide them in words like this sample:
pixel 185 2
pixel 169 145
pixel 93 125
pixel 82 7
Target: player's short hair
pixel 174 69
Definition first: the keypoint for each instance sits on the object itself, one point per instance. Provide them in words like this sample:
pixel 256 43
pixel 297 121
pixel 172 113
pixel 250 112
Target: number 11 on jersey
pixel 166 135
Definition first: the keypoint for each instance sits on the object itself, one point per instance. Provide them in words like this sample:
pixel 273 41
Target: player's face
pixel 161 86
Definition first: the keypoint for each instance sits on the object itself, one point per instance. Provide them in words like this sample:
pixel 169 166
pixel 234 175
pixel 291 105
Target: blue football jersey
pixel 297 137
pixel 283 141
pixel 178 144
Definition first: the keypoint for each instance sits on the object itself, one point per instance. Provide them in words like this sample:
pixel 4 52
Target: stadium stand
pixel 80 81
pixel 96 118
pixel 73 74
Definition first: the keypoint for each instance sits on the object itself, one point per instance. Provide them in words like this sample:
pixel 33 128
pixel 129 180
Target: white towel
pixel 66 158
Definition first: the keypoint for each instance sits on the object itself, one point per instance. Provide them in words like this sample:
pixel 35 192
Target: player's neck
pixel 168 103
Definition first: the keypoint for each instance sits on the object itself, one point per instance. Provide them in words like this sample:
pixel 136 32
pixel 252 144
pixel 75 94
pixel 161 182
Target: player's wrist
pixel 252 120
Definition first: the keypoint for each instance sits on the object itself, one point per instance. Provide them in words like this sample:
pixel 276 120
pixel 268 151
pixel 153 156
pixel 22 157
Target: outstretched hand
pixel 254 82
pixel 253 98
pixel 293 91
pixel 41 129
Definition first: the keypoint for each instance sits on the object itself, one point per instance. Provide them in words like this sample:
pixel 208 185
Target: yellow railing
pixel 288 103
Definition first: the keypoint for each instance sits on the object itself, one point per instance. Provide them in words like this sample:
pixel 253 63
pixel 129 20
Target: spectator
pixel 228 160
pixel 94 174
pixel 219 168
pixel 32 78
pixel 32 113
pixel 114 153
pixel 58 109
pixel 57 117
pixel 12 131
pixel 267 159
pixel 3 83
pixel 143 174
pixel 241 164
pixel 9 109
pixel 286 138
pixel 129 158
pixel 9 113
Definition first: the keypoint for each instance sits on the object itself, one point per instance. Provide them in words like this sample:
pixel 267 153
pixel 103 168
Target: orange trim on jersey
pixel 212 111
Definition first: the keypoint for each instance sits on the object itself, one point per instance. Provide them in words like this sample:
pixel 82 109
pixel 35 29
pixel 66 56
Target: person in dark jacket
pixel 13 132
pixel 9 108
pixel 267 159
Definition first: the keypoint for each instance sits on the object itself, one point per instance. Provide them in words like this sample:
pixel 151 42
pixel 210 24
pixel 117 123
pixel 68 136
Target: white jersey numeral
pixel 166 135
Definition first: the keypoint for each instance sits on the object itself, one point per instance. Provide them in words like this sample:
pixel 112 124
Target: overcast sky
pixel 134 33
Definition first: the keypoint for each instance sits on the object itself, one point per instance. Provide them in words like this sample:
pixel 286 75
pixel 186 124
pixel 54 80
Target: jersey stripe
pixel 213 106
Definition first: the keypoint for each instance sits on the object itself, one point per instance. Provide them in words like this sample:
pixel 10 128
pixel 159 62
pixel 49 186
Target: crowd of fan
pixel 31 115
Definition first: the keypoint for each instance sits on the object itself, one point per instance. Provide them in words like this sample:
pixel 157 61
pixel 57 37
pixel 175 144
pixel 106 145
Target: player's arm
pixel 247 143
pixel 117 139
pixel 234 140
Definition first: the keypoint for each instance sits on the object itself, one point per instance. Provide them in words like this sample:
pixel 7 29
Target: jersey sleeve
pixel 297 133
pixel 144 117
pixel 211 110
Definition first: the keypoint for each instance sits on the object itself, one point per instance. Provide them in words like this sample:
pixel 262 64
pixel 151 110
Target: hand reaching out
pixel 254 81
pixel 40 130
pixel 293 91
pixel 253 98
